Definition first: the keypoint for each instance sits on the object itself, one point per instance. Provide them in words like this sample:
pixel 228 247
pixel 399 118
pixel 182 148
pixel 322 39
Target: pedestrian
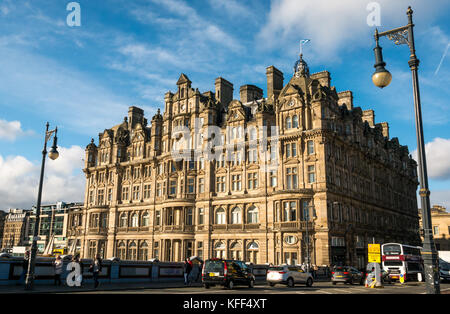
pixel 96 268
pixel 187 271
pixel 26 259
pixel 58 265
pixel 200 268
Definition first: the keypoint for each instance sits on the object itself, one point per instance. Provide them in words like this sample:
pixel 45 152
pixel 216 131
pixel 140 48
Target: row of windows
pixel 236 185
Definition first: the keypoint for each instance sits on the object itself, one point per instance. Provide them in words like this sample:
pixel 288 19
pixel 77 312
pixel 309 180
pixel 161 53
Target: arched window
pixel 236 251
pixel 295 122
pixel 135 220
pixel 252 252
pixel 288 122
pixel 143 251
pixel 123 220
pixel 145 219
pixel 132 251
pixel 220 216
pixel 219 249
pixel 121 250
pixel 252 215
pixel 236 216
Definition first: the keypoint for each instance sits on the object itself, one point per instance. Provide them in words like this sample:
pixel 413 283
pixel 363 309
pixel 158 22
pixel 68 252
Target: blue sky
pixel 83 79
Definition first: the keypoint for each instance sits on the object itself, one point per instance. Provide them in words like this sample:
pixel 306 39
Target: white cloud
pixel 438 161
pixel 10 130
pixel 333 26
pixel 440 197
pixel 63 180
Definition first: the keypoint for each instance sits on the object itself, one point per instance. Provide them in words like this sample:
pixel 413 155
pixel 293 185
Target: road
pixel 317 288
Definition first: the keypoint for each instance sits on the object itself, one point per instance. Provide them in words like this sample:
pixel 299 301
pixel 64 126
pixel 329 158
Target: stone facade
pixel 440 220
pixel 15 228
pixel 301 163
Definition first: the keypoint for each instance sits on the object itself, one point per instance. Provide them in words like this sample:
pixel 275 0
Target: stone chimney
pixel 274 82
pixel 346 98
pixel 369 116
pixel 249 93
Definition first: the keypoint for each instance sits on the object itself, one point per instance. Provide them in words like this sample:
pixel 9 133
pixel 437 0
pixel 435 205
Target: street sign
pixel 374 253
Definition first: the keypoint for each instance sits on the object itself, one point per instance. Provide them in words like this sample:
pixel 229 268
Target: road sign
pixel 374 253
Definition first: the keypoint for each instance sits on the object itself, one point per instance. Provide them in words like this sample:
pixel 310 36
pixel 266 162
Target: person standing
pixel 187 271
pixel 58 264
pixel 96 268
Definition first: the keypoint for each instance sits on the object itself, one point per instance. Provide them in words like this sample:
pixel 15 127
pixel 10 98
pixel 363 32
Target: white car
pixel 288 275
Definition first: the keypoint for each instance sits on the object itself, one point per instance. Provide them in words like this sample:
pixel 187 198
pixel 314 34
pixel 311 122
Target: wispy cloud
pixel 11 130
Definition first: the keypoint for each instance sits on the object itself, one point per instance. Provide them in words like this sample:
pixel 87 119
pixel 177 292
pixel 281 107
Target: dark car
pixel 226 273
pixel 347 274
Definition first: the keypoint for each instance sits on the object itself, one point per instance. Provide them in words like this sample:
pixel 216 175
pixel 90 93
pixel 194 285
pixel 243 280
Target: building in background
pixel 440 220
pixel 15 229
pixel 2 226
pixel 53 224
pixel 340 182
pixel 75 229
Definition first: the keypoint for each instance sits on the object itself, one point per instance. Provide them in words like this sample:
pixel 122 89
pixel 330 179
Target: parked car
pixel 288 275
pixel 347 274
pixel 444 271
pixel 226 273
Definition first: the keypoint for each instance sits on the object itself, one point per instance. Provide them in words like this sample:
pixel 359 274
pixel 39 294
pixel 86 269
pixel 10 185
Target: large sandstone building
pixel 301 163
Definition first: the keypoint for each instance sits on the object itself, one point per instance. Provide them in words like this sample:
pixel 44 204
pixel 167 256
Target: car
pixel 288 275
pixel 444 271
pixel 226 273
pixel 347 274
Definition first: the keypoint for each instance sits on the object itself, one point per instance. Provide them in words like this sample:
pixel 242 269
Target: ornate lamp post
pixel 382 78
pixel 310 208
pixel 53 154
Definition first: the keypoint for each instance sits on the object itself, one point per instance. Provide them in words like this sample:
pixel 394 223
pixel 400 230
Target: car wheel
pixel 290 282
pixel 206 286
pixel 231 285
pixel 272 284
pixel 334 283
pixel 251 284
pixel 309 282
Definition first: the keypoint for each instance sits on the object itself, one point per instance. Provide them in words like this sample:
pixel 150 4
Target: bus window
pixel 392 249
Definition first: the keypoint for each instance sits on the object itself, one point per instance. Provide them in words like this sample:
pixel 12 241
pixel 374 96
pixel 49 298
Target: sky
pixel 82 78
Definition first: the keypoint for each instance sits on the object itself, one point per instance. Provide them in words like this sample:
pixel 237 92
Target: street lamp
pixel 312 209
pixel 405 35
pixel 52 155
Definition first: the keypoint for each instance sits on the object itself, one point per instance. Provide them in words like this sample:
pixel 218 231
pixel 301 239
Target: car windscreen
pixel 214 266
pixel 340 268
pixel 444 266
pixel 276 268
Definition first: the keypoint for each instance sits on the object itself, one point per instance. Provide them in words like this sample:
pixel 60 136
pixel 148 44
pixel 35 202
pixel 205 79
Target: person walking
pixel 96 268
pixel 26 259
pixel 58 265
pixel 187 271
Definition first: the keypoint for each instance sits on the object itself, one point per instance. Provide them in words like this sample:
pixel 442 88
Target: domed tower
pixel 91 155
pixel 301 68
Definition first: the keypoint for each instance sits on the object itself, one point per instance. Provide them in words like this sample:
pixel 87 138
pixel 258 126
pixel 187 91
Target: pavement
pixel 89 287
pixel 131 286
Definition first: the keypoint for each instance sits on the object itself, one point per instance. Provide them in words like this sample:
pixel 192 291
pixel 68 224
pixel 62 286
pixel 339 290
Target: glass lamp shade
pixel 381 78
pixel 53 154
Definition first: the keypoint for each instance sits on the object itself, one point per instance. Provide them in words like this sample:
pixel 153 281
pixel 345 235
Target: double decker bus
pixel 401 259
